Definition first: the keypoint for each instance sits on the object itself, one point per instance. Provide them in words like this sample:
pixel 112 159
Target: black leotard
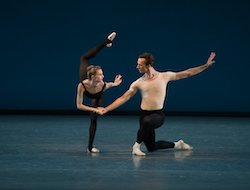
pixel 93 96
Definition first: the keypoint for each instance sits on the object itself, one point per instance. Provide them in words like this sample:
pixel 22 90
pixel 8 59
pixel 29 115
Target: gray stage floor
pixel 49 152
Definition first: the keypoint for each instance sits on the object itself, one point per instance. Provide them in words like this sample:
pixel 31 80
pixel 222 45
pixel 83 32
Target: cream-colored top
pixel 153 92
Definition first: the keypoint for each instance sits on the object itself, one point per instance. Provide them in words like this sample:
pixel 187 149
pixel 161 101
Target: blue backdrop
pixel 42 41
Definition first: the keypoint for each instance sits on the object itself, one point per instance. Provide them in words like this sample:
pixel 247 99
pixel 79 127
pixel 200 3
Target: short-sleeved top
pixel 93 96
pixel 153 92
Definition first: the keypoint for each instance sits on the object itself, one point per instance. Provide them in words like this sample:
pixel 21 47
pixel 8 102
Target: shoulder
pixel 136 84
pixel 105 86
pixel 137 81
pixel 80 89
pixel 170 75
pixel 81 85
pixel 84 82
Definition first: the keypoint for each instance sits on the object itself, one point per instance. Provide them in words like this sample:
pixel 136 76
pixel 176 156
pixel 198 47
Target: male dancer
pixel 152 86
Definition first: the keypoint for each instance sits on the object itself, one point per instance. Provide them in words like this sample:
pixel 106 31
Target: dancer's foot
pixel 93 150
pixel 109 45
pixel 181 145
pixel 111 37
pixel 137 151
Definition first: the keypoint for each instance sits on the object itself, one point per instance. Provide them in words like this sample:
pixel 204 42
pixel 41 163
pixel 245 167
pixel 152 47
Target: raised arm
pixel 116 82
pixel 193 71
pixel 79 101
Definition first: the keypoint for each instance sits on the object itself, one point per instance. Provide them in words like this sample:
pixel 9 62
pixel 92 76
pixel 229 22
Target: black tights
pixel 84 63
pixel 149 121
pixel 93 121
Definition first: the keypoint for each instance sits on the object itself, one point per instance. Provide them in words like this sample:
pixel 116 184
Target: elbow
pixel 78 106
pixel 186 75
pixel 189 74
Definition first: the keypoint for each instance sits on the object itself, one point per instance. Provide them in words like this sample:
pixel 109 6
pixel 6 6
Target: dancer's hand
pixel 210 60
pixel 117 80
pixel 102 110
pixel 97 111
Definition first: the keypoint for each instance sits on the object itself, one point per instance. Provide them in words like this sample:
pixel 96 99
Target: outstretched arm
pixel 79 100
pixel 116 82
pixel 195 70
pixel 118 102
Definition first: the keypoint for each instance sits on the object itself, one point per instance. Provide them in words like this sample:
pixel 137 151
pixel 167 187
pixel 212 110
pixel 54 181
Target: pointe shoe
pixel 109 45
pixel 181 145
pixel 93 150
pixel 111 36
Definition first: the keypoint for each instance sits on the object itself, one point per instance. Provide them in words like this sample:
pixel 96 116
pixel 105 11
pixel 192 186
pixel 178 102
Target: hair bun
pixel 90 67
pixel 91 70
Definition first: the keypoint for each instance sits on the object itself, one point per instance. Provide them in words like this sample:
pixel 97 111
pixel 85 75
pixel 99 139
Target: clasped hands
pixel 100 110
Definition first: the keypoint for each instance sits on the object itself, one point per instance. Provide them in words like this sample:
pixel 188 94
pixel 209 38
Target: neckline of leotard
pixel 95 93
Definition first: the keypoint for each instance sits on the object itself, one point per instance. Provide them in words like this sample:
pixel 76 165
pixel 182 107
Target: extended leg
pixel 181 145
pixel 152 145
pixel 84 62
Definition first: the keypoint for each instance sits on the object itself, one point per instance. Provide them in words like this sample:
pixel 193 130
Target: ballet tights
pixel 84 63
pixel 149 121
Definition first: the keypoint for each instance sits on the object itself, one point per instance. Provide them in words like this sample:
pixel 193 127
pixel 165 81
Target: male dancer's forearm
pixel 197 70
pixel 117 103
pixel 190 72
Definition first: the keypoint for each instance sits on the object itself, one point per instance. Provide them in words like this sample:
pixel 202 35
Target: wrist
pixel 107 109
pixel 93 109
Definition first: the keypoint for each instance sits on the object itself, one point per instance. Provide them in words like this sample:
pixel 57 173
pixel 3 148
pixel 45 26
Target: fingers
pixel 97 111
pixel 101 110
pixel 118 77
pixel 212 55
pixel 210 60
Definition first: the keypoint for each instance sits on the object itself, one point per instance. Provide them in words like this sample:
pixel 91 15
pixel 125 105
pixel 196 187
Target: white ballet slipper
pixel 181 145
pixel 137 151
pixel 93 150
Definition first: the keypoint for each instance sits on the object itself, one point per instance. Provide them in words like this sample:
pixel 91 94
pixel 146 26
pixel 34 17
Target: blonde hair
pixel 91 70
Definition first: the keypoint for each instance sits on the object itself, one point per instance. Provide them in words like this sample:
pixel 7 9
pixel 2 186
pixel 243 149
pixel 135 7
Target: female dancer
pixel 93 87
